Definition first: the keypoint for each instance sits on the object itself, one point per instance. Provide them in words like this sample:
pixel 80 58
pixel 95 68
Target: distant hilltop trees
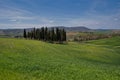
pixel 86 36
pixel 45 34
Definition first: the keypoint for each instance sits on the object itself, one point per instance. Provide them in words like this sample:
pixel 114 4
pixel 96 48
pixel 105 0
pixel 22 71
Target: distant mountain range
pixel 77 28
pixel 19 32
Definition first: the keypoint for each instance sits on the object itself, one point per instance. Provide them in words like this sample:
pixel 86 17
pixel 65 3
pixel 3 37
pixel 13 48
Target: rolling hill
pixel 22 59
pixel 19 32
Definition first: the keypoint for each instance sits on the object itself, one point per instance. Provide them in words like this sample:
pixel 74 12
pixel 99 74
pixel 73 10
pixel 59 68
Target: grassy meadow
pixel 22 59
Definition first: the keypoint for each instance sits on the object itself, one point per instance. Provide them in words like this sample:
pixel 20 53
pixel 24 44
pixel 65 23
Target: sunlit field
pixel 22 59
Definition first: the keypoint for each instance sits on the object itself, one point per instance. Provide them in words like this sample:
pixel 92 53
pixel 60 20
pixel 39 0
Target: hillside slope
pixel 35 60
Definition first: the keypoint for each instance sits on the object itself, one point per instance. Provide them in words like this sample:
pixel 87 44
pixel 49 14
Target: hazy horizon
pixel 93 14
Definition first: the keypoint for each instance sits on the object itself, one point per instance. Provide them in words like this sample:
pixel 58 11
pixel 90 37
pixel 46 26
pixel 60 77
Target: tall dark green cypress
pixel 65 38
pixel 57 34
pixel 46 33
pixel 42 33
pixel 28 35
pixel 24 34
pixel 49 35
pixel 53 34
pixel 37 34
pixel 64 35
pixel 34 33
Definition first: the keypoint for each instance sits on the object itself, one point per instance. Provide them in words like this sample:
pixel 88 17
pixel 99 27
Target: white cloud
pixel 9 26
pixel 13 20
pixel 19 18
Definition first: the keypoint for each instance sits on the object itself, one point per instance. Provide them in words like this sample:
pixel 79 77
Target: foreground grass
pixel 35 60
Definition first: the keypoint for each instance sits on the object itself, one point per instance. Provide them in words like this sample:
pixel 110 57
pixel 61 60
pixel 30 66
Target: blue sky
pixel 93 14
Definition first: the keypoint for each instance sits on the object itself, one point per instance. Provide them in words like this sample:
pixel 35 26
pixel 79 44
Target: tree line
pixel 46 34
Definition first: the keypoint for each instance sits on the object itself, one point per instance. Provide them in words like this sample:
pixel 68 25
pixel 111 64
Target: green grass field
pixel 35 60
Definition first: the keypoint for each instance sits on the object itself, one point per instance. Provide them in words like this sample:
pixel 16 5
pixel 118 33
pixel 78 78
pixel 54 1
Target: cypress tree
pixel 42 33
pixel 49 35
pixel 64 35
pixel 53 34
pixel 37 34
pixel 34 33
pixel 28 34
pixel 24 34
pixel 46 33
pixel 57 34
